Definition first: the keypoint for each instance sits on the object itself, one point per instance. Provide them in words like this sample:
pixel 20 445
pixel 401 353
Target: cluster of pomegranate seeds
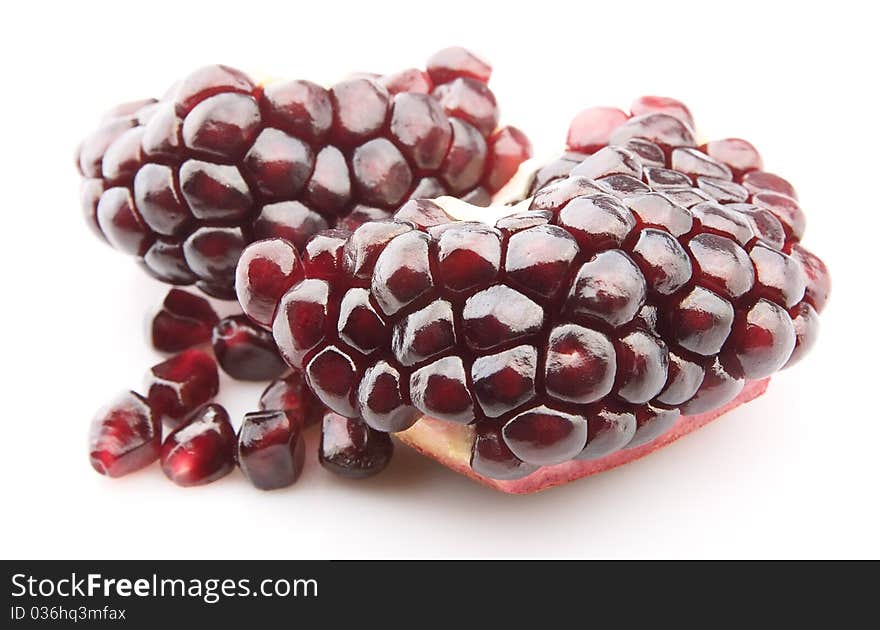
pixel 647 278
pixel 186 182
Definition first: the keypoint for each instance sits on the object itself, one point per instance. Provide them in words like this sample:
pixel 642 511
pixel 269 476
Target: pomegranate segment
pixel 271 448
pixel 186 183
pixel 125 436
pixel 201 450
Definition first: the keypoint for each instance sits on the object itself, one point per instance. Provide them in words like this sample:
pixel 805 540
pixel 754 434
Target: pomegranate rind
pixel 450 444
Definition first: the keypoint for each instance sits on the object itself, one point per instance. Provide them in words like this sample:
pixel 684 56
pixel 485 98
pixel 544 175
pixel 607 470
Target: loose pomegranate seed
pixel 178 386
pixel 662 104
pixel 125 436
pixel 245 351
pixel 185 183
pixel 592 128
pixel 185 320
pixel 291 394
pixel 352 449
pixel 271 448
pixel 202 450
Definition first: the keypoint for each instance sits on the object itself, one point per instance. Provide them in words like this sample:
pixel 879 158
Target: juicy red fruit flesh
pixel 185 320
pixel 176 387
pixel 352 449
pixel 125 436
pixel 245 351
pixel 271 448
pixel 202 450
pixel 292 394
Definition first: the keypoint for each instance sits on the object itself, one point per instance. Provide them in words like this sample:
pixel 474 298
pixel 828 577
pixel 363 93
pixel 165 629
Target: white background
pixel 793 474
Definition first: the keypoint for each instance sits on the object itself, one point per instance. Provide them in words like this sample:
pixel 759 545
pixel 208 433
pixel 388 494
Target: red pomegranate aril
pixel 215 192
pixel 684 378
pixel 207 81
pixel 738 154
pixel 202 450
pixel 591 129
pixel 90 192
pixel 159 201
pixel 722 265
pixel 504 381
pixel 663 104
pixel 322 255
pixel 265 271
pixel 440 390
pixel 165 261
pixel 779 277
pixel 719 387
pixel 701 321
pixel 292 394
pixel 300 108
pixel 271 448
pixel 223 125
pixel 609 287
pixel 120 222
pixel 508 148
pixel 786 209
pixel 662 260
pixel 492 458
pixel 290 220
pixel 123 157
pixel 125 436
pixel 471 101
pixel 818 280
pixel 185 320
pixel 333 376
pixel 360 107
pixel 762 181
pixel 422 335
pixel 245 351
pixel 465 161
pixel 421 129
pixel 468 256
pixel 380 400
pixel 93 149
pixel 454 62
pixel 580 364
pixel 651 423
pixel 213 252
pixel 182 383
pixel 352 449
pixel 611 427
pixel 539 259
pixel 806 327
pixel 761 341
pixel 412 80
pixel 642 364
pixel 543 436
pixel 380 173
pixel 279 165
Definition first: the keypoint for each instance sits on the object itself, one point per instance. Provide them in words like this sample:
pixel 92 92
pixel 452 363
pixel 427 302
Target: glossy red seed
pixel 762 340
pixel 591 129
pixel 124 436
pixel 683 380
pixel 762 181
pixel 658 210
pixel 329 188
pixel 611 427
pixel 412 80
pixel 290 220
pixel 701 321
pixel 806 327
pixel 738 154
pixel 609 161
pixel 177 386
pixel 508 148
pixel 468 256
pixel 265 271
pixel 292 394
pixel 718 388
pixel 721 265
pixel 818 280
pixel 538 259
pixel 163 133
pixel 278 164
pixel 421 129
pixel 352 449
pixel 609 287
pixel 499 315
pixel 185 320
pixel 271 448
pixel 492 458
pixel 465 161
pixel 779 277
pixel 212 254
pixel 158 198
pixel 421 335
pixel 120 222
pixel 93 148
pixel 207 81
pixel 402 272
pixel 245 351
pixel 471 101
pixel 659 128
pixel 123 157
pixel 215 192
pixel 580 364
pixel 662 260
pixel 543 436
pixel 165 261
pixel 380 173
pixel 300 320
pixel 454 62
pixel 597 222
pixel 223 125
pixel 506 380
pixel 359 325
pixel 651 423
pixel 90 195
pixel 440 390
pixel 202 450
pixel 333 376
pixel 642 363
pixel 299 108
pixel 322 256
pixel 380 400
pixel 786 209
pixel 663 104
pixel 360 107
